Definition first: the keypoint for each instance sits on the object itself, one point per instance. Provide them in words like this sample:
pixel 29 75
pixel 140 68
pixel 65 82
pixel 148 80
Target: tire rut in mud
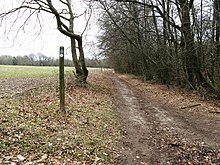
pixel 139 145
pixel 156 135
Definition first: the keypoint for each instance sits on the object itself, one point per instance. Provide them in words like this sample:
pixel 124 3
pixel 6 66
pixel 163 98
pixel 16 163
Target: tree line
pixel 43 60
pixel 170 41
pixel 32 60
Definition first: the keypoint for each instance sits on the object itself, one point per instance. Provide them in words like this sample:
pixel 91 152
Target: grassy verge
pixel 33 130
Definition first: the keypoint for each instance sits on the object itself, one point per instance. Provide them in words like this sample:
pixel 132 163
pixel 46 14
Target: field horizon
pixel 23 71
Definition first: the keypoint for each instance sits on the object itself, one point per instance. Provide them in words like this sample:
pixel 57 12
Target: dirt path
pixel 155 133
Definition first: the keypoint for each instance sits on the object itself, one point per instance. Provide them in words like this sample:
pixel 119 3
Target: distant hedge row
pixel 42 60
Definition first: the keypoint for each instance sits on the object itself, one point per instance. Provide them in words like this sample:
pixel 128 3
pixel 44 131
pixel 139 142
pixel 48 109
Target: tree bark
pixel 80 67
pixel 85 72
pixel 192 62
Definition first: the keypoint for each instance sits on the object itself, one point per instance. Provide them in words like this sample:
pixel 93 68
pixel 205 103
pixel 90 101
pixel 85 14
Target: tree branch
pixel 60 24
pixel 124 33
pixel 152 7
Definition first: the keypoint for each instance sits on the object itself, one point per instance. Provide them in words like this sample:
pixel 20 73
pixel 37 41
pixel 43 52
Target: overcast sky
pixel 48 41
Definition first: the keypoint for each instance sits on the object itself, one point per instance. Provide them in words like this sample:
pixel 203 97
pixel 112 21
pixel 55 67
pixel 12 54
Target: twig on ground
pixel 69 97
pixel 190 106
pixel 217 112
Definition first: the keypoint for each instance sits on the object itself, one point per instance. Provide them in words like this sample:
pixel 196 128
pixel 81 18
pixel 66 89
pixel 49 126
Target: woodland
pixel 174 42
pixel 169 41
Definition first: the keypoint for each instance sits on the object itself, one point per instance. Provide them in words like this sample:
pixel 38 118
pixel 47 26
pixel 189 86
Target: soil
pixel 11 87
pixel 160 126
pixel 161 129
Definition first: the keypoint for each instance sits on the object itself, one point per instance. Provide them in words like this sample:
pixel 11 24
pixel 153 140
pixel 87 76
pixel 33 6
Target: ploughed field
pixel 17 79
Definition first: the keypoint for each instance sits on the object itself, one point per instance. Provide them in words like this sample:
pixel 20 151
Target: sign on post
pixel 61 77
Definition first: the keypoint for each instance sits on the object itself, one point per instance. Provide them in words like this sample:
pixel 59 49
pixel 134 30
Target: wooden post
pixel 61 76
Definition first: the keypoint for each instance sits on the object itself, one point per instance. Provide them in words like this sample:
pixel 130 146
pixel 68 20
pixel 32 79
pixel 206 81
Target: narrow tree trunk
pixel 80 67
pixel 81 71
pixel 217 22
pixel 217 35
pixel 85 72
pixel 74 57
pixel 192 62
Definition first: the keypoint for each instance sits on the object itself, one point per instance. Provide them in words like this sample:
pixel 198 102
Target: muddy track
pixel 159 134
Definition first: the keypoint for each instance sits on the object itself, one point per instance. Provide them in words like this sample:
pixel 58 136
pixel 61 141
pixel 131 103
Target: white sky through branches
pixel 43 37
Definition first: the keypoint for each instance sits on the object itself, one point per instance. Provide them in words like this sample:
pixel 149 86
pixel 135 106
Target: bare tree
pixel 170 41
pixel 65 24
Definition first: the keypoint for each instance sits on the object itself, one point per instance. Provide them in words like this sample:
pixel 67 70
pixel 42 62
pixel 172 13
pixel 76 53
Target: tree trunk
pixel 217 22
pixel 74 57
pixel 192 62
pixel 81 71
pixel 84 69
pixel 80 67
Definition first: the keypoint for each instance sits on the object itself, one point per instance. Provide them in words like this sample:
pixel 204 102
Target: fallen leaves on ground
pixel 34 131
pixel 176 148
pixel 176 97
